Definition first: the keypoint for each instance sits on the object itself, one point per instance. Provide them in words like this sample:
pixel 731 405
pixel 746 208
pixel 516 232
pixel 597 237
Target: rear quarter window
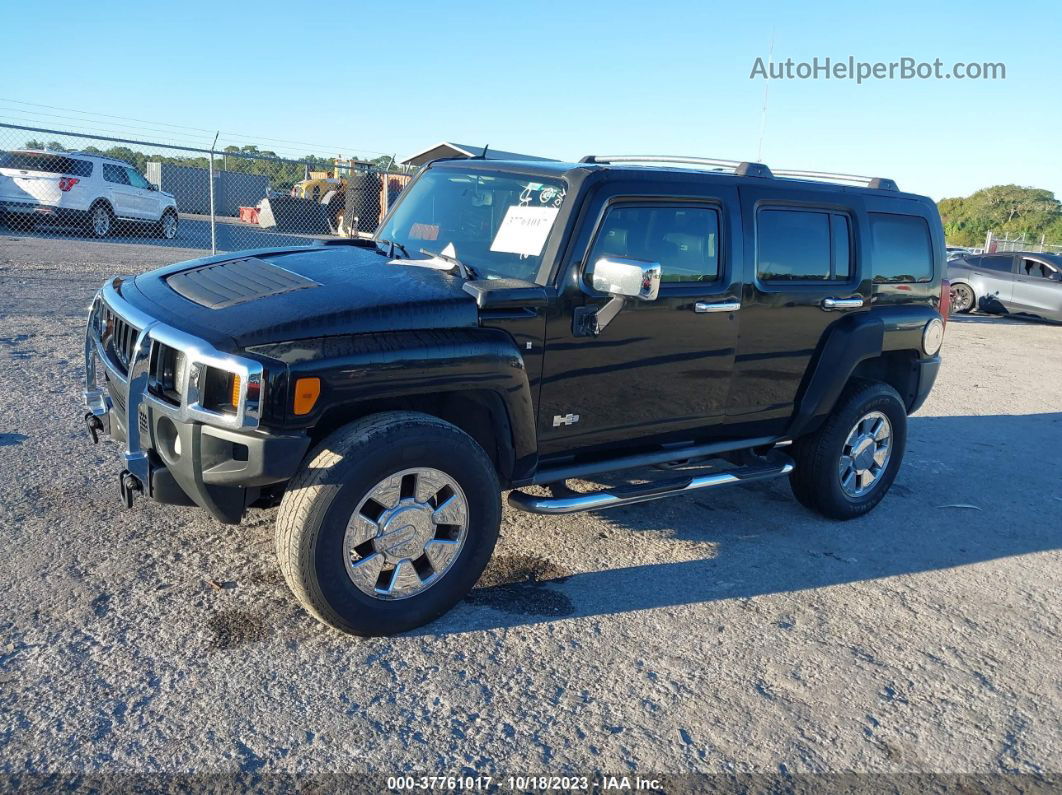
pixel 901 248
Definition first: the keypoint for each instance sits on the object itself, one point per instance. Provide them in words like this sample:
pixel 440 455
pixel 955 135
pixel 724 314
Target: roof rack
pixel 744 168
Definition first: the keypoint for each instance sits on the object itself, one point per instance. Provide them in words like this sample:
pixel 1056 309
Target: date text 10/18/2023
pixel 527 783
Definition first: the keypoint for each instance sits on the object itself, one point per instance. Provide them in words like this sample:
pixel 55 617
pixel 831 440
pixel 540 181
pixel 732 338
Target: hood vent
pixel 236 281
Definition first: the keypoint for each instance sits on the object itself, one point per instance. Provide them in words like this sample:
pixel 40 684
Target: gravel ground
pixel 731 632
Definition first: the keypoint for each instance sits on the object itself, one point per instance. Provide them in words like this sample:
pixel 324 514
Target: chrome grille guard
pixel 133 385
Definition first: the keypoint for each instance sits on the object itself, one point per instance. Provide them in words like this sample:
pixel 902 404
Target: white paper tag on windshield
pixel 524 230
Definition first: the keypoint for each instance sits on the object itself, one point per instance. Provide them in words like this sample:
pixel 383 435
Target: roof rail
pixel 745 169
pixel 879 183
pixel 740 167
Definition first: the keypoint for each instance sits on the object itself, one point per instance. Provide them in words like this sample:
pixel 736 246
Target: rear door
pixel 122 195
pixel 800 277
pixel 1038 288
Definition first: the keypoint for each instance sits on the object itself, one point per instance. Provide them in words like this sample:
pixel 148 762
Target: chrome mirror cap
pixel 633 278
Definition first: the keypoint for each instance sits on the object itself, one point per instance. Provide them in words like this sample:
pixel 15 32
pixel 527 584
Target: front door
pixel 659 367
pixel 1038 288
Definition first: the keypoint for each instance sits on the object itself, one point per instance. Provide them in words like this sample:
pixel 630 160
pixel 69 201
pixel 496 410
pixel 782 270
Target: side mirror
pixel 631 278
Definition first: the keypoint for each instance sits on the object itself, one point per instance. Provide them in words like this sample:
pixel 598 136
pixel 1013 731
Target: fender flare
pixel 848 342
pixel 370 369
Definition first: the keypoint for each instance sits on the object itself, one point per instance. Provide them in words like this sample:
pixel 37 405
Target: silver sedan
pixel 1016 282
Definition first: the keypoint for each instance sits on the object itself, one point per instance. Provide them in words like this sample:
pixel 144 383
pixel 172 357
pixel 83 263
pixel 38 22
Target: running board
pixel 628 495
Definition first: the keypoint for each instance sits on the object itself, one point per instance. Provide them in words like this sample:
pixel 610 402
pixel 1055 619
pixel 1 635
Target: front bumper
pixel 179 453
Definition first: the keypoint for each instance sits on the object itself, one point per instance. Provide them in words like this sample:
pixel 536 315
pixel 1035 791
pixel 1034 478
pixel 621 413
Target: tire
pixel 100 220
pixel 166 228
pixel 336 486
pixel 963 300
pixel 816 479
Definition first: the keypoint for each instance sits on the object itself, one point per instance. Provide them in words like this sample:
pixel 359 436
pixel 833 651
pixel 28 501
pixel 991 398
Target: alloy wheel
pixel 169 226
pixel 865 454
pixel 405 533
pixel 101 221
pixel 961 298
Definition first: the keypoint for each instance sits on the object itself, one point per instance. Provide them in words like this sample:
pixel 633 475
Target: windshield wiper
pixel 391 246
pixel 467 271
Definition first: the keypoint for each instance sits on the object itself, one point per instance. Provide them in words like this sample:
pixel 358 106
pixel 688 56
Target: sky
pixel 555 79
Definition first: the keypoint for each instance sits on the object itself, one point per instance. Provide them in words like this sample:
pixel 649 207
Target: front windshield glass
pixel 496 223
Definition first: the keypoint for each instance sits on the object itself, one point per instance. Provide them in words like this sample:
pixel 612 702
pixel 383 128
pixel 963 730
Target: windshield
pixel 497 223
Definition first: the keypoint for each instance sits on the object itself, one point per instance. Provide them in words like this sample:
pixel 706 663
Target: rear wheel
pixel 390 522
pixel 846 467
pixel 100 220
pixel 962 298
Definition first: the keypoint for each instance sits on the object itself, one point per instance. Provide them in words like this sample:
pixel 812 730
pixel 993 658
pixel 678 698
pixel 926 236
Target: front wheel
pixel 389 523
pixel 843 469
pixel 166 228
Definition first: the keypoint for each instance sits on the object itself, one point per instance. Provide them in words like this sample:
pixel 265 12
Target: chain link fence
pixel 77 186
pixel 1004 244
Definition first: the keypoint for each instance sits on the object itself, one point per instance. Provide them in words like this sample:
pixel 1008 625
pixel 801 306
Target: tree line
pixel 1005 210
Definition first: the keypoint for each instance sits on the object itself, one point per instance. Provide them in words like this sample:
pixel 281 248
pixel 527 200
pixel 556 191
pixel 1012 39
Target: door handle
pixel 829 304
pixel 726 306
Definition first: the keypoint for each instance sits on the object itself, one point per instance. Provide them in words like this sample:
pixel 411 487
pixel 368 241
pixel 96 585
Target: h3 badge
pixel 564 419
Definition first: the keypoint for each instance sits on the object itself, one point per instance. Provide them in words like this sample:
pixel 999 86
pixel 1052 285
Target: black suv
pixel 517 325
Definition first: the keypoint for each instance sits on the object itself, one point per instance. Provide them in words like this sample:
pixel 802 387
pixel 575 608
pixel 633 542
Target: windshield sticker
pixel 524 230
pixel 424 232
pixel 553 195
pixel 528 192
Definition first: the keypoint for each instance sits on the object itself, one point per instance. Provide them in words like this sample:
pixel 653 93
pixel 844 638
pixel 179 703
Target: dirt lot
pixel 731 632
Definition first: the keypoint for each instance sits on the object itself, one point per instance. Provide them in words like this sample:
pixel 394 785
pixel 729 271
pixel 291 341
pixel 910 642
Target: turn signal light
pixel 235 397
pixel 307 390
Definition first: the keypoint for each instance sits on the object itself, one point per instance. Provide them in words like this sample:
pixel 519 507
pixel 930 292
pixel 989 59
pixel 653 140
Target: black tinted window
pixel 802 245
pixel 901 248
pixel 46 162
pixel 992 263
pixel 684 240
pixel 842 246
pixel 113 173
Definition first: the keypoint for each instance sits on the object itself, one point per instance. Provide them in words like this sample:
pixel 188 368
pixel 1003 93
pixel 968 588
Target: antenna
pixel 766 83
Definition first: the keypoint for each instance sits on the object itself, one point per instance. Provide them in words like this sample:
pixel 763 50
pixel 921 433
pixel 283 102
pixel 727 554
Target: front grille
pixel 119 338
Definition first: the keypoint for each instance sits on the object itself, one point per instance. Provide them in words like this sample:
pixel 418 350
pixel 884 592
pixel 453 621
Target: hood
pixel 279 295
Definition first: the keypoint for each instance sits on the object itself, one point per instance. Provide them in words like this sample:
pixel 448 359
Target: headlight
pixel 221 391
pixel 169 373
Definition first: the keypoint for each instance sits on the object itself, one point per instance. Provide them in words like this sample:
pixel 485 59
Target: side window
pixel 116 174
pixel 1001 264
pixel 81 168
pixel 901 248
pixel 802 245
pixel 136 179
pixel 683 239
pixel 1041 270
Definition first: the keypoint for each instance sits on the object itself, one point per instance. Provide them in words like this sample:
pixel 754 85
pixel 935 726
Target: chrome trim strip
pixel 600 500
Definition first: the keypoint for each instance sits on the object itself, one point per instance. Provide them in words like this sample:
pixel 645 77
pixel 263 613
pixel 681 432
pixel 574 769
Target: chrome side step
pixel 628 495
